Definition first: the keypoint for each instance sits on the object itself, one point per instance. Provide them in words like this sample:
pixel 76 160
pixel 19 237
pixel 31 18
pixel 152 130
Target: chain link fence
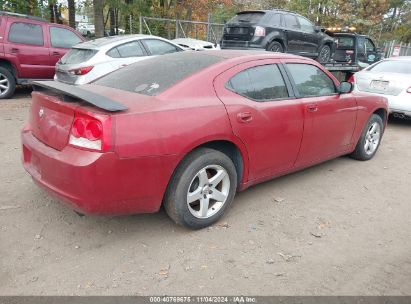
pixel 174 28
pixel 395 49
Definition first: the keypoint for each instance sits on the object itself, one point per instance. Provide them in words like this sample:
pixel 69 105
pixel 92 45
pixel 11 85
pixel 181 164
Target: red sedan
pixel 188 130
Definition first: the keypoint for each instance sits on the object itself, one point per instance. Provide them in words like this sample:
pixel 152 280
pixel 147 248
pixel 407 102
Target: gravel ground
pixel 342 227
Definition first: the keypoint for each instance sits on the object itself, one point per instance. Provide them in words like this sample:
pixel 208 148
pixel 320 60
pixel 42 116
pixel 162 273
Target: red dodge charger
pixel 188 130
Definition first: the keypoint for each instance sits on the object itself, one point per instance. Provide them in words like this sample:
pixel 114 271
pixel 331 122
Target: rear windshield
pixel 251 17
pixel 391 66
pixel 77 56
pixel 344 42
pixel 157 74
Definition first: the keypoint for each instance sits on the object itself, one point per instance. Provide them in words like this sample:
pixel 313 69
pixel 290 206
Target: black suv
pixel 277 31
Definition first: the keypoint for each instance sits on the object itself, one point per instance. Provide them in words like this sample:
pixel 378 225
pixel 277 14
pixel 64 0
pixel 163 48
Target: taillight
pixel 259 31
pixel 89 132
pixel 351 78
pixel 409 90
pixel 81 71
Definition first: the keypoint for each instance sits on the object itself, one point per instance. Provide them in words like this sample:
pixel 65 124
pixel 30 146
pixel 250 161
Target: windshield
pixel 155 75
pixel 392 66
pixel 251 17
pixel 75 56
pixel 344 42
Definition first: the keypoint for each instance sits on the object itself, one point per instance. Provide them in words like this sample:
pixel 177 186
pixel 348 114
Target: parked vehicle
pixel 30 48
pixel 353 51
pixel 90 60
pixel 195 44
pixel 277 31
pixel 189 129
pixel 87 29
pixel 390 78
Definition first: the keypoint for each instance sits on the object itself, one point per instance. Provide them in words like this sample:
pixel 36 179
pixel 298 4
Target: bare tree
pixel 98 18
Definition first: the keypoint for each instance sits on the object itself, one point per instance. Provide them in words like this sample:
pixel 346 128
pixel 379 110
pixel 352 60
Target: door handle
pixel 56 53
pixel 244 117
pixel 15 50
pixel 312 108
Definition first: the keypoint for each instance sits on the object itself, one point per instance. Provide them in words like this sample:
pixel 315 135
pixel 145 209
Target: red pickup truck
pixel 30 48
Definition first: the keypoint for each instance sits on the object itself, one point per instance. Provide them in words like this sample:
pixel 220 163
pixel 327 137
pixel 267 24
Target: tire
pixel 324 55
pixel 275 46
pixel 370 139
pixel 7 83
pixel 193 177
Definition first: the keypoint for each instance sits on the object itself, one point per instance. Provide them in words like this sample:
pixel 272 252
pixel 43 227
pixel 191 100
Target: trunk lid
pixel 381 83
pixel 51 119
pixel 242 26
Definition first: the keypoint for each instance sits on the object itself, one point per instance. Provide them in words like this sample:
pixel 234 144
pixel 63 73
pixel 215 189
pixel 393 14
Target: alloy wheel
pixel 208 191
pixel 4 84
pixel 372 138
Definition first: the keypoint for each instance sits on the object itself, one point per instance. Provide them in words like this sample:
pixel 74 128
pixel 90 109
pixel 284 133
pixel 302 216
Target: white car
pixel 196 45
pixel 86 29
pixel 92 59
pixel 390 78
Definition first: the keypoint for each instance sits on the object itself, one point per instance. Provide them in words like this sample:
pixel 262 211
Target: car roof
pixel 109 41
pixel 230 54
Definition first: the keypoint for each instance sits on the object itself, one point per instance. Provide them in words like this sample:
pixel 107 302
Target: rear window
pixel 26 33
pixel 77 56
pixel 157 74
pixel 391 66
pixel 344 42
pixel 251 17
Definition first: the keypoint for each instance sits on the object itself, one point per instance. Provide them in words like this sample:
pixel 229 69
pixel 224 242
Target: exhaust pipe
pixel 399 115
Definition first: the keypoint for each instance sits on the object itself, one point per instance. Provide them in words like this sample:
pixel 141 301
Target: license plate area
pixel 380 85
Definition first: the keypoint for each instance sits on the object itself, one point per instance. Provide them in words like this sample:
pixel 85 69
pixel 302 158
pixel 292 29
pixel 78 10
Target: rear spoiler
pixel 97 100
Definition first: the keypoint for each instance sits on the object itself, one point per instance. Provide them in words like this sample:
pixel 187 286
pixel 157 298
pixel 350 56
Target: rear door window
pixel 291 22
pixel 130 49
pixel 310 80
pixel 262 83
pixel 63 38
pixel 306 25
pixel 26 33
pixel 159 47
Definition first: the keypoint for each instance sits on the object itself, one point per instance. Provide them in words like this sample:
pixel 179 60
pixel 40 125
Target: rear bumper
pixel 98 183
pixel 241 45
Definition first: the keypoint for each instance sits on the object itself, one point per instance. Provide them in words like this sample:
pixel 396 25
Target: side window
pixel 291 21
pixel 159 47
pixel 26 33
pixel 310 80
pixel 275 20
pixel 306 25
pixel 63 38
pixel 130 49
pixel 114 53
pixel 369 45
pixel 262 83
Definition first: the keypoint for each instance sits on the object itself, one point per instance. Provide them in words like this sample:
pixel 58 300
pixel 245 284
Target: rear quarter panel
pixel 367 105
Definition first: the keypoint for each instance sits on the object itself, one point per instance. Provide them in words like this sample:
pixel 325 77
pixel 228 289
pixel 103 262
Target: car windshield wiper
pixel 242 20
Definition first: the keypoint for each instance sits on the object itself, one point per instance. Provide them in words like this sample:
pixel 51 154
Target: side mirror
pixel 317 29
pixel 345 87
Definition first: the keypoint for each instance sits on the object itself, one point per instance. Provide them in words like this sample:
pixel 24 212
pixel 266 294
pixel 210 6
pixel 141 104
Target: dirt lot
pixel 342 227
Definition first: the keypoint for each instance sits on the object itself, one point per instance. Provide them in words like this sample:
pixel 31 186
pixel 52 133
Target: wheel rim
pixel 4 84
pixel 325 54
pixel 208 191
pixel 372 138
pixel 276 48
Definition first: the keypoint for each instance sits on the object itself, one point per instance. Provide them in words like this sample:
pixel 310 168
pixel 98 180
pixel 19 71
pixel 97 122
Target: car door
pixel 264 115
pixel 330 117
pixel 26 43
pixel 371 51
pixel 311 38
pixel 293 33
pixel 61 40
